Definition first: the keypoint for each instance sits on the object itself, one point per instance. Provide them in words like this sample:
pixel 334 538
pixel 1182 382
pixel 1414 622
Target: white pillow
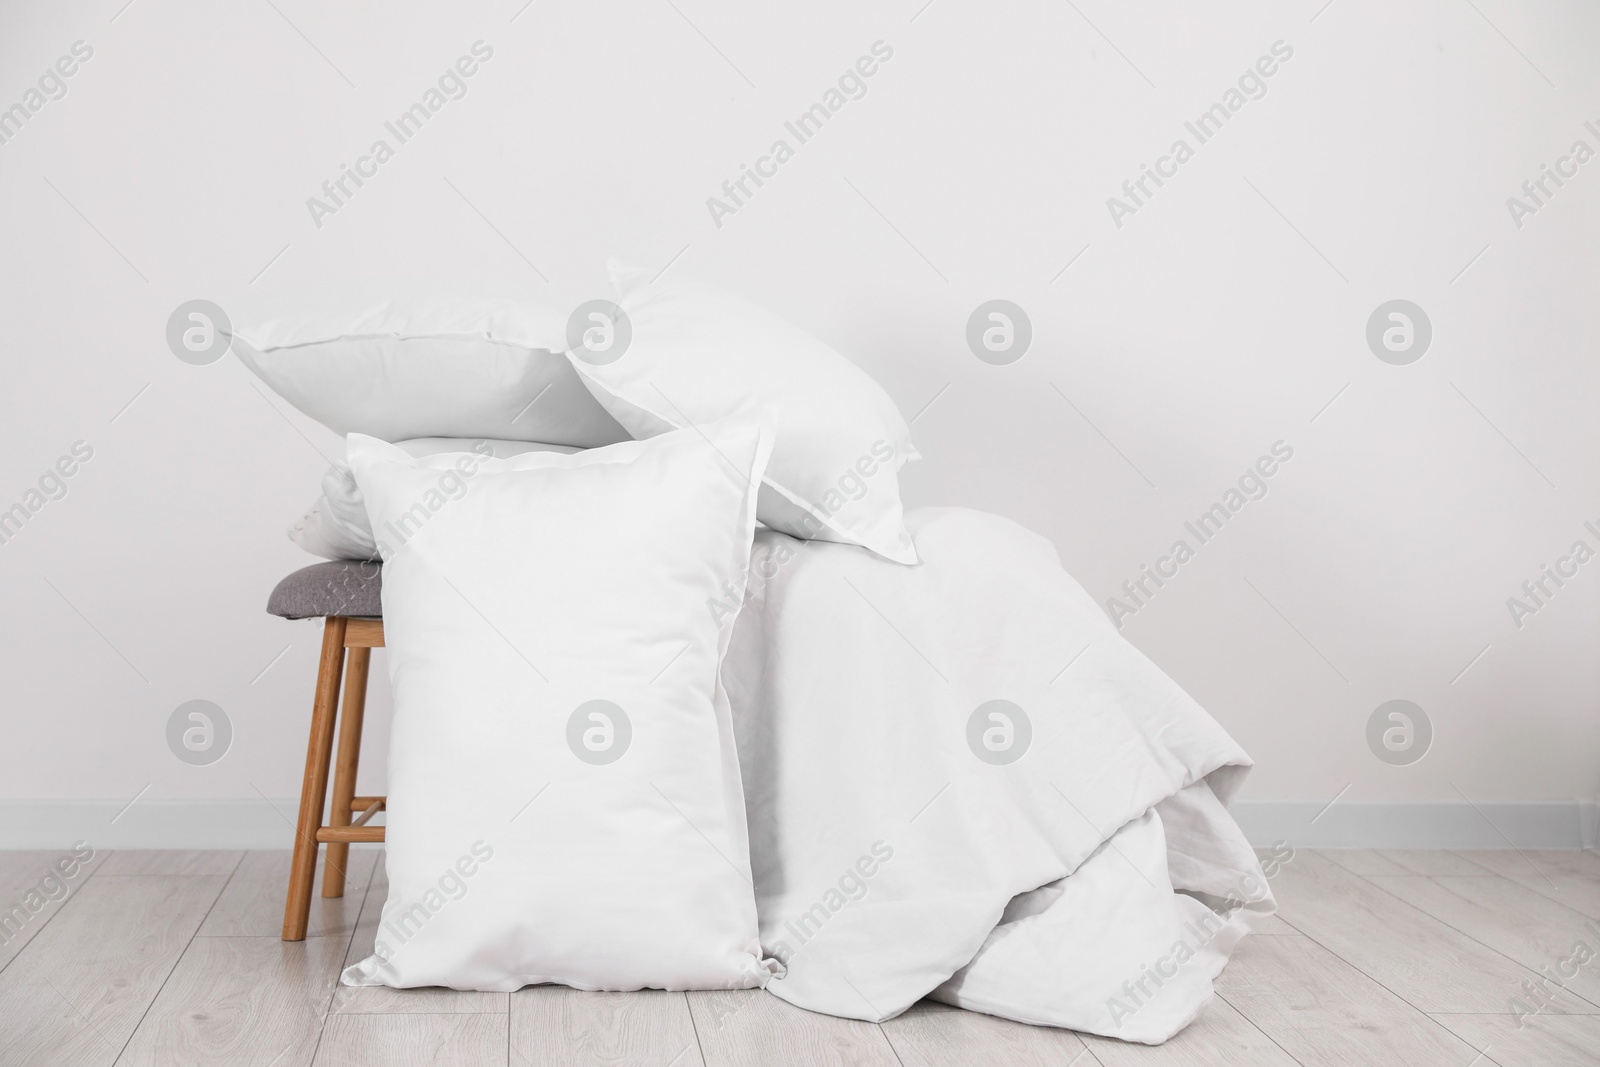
pixel 562 753
pixel 336 526
pixel 436 368
pixel 698 354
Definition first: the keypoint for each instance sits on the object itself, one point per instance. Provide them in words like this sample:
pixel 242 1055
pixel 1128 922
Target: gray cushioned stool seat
pixel 341 587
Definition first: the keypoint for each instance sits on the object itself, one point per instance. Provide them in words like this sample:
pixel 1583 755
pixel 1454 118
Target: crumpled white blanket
pixel 1061 857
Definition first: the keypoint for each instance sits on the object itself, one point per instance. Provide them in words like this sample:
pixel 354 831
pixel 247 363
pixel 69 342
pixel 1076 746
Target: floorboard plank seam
pixel 1246 1017
pixel 1446 923
pixel 65 901
pixel 187 945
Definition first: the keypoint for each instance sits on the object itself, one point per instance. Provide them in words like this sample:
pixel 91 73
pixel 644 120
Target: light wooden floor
pixel 1378 958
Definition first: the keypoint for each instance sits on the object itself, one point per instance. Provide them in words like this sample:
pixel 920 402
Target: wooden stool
pixel 347 596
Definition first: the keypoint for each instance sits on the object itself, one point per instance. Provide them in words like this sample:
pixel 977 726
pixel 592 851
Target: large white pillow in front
pixel 442 367
pixel 564 794
pixel 689 353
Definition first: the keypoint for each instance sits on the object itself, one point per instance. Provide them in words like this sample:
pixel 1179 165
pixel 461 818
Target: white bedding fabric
pixel 564 795
pixel 891 862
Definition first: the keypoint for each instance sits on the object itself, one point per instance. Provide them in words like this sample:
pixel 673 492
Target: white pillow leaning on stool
pixel 564 795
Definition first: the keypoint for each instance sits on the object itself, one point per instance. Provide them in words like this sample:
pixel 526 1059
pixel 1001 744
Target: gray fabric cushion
pixel 342 587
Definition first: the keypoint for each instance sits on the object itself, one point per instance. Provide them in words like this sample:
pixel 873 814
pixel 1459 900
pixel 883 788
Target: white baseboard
pixel 1444 824
pixel 113 824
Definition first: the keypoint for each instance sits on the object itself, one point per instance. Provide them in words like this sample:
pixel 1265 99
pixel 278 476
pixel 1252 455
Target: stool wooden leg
pixel 335 863
pixel 314 790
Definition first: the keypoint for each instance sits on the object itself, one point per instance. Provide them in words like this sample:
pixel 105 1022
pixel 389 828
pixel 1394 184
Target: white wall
pixel 1220 318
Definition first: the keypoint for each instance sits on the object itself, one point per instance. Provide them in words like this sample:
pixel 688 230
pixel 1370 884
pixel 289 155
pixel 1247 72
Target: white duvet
pixel 962 782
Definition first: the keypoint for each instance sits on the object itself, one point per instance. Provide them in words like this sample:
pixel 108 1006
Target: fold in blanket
pixel 962 782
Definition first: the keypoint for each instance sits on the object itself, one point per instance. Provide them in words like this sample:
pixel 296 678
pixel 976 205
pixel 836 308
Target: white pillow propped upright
pixel 689 353
pixel 564 794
